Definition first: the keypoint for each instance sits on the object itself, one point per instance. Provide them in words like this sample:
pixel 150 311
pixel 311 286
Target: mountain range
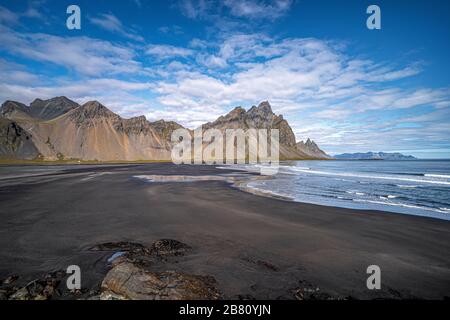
pixel 374 156
pixel 61 129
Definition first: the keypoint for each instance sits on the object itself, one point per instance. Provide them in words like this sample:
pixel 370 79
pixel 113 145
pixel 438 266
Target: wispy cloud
pixel 253 9
pixel 8 17
pixel 111 23
pixel 167 51
pixel 196 8
pixel 258 9
pixel 84 55
pixel 33 11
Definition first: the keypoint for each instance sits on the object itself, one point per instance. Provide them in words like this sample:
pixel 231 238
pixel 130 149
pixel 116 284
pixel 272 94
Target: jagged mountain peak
pixel 38 109
pixel 91 111
pixel 262 109
pixel 51 108
pixel 312 149
pixel 165 128
pixel 139 119
pixel 93 104
pixel 60 99
pixel 237 111
pixel 8 103
pixel 96 109
pixel 13 109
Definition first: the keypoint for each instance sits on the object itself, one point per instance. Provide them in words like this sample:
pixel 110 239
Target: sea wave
pixel 356 192
pixel 399 204
pixel 389 196
pixel 444 176
pixel 406 186
pixel 364 176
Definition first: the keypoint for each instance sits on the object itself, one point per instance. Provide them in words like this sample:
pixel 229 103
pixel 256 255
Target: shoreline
pixel 240 184
pixel 253 246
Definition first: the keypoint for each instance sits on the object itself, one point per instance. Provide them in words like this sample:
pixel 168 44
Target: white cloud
pixel 167 51
pixel 84 55
pixel 315 84
pixel 111 23
pixel 258 9
pixel 252 9
pixel 195 8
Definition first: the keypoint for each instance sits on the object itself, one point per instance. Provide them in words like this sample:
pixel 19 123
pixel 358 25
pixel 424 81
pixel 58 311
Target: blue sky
pixel 349 88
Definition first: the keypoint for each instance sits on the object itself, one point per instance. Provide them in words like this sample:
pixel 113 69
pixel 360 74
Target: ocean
pixel 419 187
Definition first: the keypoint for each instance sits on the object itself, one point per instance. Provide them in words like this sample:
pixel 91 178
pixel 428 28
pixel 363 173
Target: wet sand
pixel 254 246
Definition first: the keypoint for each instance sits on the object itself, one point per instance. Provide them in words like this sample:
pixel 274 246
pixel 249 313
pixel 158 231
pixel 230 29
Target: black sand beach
pixel 254 246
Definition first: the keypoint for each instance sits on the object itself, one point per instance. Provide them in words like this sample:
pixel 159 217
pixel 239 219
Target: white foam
pixel 397 204
pixel 374 177
pixel 298 168
pixel 356 193
pixel 445 176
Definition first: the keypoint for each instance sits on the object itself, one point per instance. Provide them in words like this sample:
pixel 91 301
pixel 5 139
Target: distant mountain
pixel 59 128
pixel 374 156
pixel 312 149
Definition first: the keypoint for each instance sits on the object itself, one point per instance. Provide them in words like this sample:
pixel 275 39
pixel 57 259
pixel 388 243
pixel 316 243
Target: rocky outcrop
pixel 15 142
pixel 127 281
pixel 165 128
pixel 261 117
pixel 132 277
pixel 48 287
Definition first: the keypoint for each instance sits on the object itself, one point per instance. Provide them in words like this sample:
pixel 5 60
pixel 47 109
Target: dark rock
pixel 168 247
pixel 136 251
pixel 11 279
pixel 3 295
pixel 307 291
pixel 49 291
pixel 267 265
pixel 261 263
pixel 246 297
pixel 129 247
pixel 21 294
pixel 15 142
pixel 35 288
